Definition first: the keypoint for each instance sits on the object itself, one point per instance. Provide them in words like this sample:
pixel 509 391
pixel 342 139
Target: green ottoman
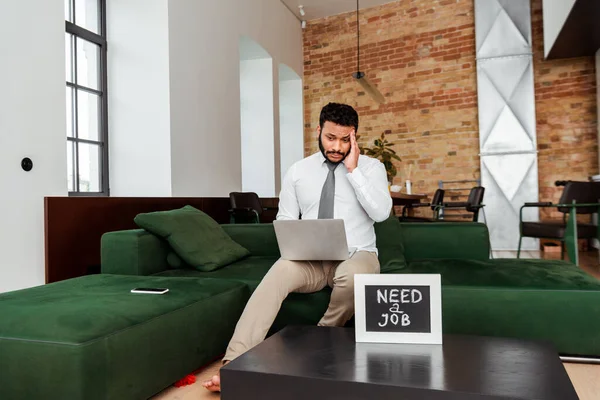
pixel 90 338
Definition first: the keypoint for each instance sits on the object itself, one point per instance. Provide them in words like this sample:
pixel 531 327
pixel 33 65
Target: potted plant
pixel 382 150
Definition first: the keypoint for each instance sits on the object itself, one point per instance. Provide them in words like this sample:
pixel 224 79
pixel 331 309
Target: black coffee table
pixel 308 362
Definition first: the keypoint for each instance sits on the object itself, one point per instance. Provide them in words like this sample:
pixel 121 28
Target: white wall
pixel 138 87
pixel 257 127
pixel 555 15
pixel 32 124
pixel 291 117
pixel 205 91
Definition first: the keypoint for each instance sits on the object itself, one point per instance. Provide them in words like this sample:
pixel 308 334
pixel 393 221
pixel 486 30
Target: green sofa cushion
pixel 298 308
pixel 513 273
pixel 389 246
pixel 249 271
pixel 90 338
pixel 175 261
pixel 566 319
pixel 259 239
pixel 445 240
pixel 133 252
pixel 197 238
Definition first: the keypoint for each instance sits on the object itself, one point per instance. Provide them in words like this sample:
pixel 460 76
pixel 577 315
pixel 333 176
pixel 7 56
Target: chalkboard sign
pixel 398 308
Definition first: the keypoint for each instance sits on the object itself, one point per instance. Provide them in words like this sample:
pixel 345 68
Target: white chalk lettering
pixel 385 317
pixel 414 293
pixel 405 294
pixel 405 320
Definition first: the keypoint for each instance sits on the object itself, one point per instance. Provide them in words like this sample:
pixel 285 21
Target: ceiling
pixel 580 34
pixel 325 8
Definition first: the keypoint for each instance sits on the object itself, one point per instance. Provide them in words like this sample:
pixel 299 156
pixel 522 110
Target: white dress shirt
pixel 361 197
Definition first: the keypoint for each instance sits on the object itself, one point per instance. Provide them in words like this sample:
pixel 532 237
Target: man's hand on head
pixel 351 161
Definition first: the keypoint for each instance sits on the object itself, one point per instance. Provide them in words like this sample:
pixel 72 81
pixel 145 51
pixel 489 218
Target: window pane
pixel 69 57
pixel 70 164
pixel 87 15
pixel 88 116
pixel 89 167
pixel 68 9
pixel 88 63
pixel 70 132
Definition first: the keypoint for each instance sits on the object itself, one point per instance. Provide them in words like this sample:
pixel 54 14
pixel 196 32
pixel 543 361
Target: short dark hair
pixel 340 114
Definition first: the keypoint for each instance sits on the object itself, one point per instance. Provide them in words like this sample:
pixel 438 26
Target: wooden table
pixel 404 199
pixel 309 362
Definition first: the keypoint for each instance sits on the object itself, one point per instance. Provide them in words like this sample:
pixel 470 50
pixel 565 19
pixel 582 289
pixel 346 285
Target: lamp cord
pixel 357 39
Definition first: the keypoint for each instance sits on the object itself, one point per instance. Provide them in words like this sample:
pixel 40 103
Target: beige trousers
pixel 286 277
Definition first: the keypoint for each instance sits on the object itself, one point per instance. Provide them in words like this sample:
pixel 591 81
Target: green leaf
pixel 383 150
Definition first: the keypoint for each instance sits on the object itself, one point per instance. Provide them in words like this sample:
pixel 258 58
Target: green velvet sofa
pixel 547 300
pixel 90 338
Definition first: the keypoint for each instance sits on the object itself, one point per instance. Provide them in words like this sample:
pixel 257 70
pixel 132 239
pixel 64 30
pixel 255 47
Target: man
pixel 336 182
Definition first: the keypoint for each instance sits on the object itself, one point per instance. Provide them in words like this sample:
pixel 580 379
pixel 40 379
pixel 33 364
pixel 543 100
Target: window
pixel 87 121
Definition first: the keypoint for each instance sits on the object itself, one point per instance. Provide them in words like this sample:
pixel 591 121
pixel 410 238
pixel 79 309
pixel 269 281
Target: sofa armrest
pixel 436 240
pixel 133 252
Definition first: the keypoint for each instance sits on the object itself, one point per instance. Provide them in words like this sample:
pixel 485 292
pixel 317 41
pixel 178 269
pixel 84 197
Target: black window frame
pixel 100 40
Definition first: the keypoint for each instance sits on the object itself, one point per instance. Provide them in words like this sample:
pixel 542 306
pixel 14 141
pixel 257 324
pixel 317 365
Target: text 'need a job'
pixel 397 296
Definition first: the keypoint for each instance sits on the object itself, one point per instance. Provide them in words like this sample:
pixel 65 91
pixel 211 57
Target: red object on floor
pixel 188 380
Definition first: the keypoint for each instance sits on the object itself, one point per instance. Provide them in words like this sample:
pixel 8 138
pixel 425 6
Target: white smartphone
pixel 150 290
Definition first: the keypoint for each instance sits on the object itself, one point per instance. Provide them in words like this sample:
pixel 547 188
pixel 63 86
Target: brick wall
pixel 565 97
pixel 421 56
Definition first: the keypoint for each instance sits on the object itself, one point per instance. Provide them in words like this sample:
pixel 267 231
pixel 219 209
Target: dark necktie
pixel 328 193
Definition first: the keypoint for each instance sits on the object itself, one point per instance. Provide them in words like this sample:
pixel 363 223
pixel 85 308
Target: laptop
pixel 312 240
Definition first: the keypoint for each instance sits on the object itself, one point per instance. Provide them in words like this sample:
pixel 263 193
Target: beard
pixel 344 155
